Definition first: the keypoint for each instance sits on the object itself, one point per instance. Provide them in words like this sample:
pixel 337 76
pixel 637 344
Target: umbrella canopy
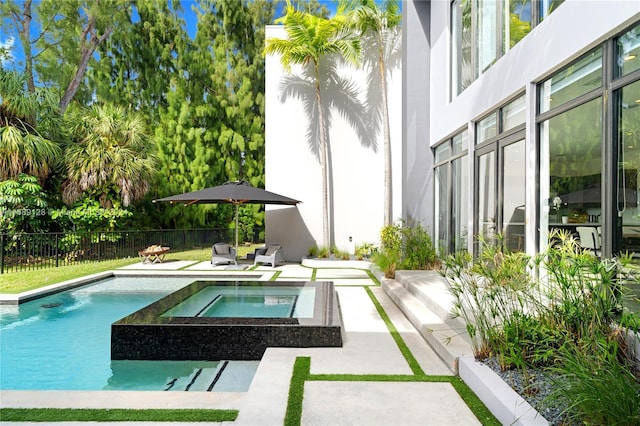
pixel 238 192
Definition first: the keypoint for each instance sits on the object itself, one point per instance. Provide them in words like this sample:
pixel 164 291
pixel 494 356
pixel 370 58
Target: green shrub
pixel 596 387
pixel 557 311
pixel 405 246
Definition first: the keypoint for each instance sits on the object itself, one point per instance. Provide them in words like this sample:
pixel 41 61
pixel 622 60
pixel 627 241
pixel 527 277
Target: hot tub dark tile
pixel 147 335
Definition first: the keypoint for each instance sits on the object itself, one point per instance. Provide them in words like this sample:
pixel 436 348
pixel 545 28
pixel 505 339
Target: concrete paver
pixel 384 404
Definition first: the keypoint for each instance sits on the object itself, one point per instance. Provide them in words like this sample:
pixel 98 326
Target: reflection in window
pixel 486 179
pixel 628 52
pixel 460 213
pixel 548 6
pixel 628 171
pixel 487 128
pixel 461 65
pixel 486 34
pixel 484 30
pixel 577 79
pixel 518 20
pixel 572 146
pixel 442 152
pixel 451 194
pixel 513 195
pixel 442 205
pixel 514 114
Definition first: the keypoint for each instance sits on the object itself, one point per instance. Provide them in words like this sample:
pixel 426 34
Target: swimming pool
pixel 62 342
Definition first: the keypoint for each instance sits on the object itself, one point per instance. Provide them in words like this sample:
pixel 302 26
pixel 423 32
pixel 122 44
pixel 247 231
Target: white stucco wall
pixel 291 169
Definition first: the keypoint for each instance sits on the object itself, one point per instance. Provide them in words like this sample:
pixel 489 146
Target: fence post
pixel 57 254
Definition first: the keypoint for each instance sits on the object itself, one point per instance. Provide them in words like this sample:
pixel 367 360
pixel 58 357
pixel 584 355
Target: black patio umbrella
pixel 237 192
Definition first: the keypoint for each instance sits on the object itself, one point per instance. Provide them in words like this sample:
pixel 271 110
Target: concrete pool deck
pixel 368 349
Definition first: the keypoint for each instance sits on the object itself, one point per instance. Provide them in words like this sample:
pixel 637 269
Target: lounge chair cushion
pixel 223 249
pixel 271 250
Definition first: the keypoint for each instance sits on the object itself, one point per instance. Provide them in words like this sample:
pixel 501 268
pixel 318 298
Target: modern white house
pixel 514 117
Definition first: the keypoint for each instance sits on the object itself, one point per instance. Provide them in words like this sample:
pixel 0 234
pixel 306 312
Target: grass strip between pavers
pixel 301 369
pixel 404 349
pixel 114 415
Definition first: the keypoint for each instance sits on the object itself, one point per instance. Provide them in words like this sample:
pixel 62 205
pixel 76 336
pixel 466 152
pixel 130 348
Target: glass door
pixel 486 205
pixel 627 200
pixel 501 189
pixel 513 194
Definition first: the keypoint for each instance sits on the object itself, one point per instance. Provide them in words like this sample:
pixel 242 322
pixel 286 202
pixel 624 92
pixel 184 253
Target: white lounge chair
pixel 222 253
pixel 272 254
pixel 590 239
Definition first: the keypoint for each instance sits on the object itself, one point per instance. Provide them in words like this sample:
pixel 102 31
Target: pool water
pixel 251 301
pixel 251 307
pixel 63 342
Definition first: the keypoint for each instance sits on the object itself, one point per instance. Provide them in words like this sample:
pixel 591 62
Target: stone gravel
pixel 535 388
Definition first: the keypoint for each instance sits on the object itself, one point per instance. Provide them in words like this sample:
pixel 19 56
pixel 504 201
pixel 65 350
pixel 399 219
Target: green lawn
pixel 17 282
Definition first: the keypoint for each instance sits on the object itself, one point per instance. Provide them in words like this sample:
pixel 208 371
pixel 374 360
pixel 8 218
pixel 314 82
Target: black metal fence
pixel 20 252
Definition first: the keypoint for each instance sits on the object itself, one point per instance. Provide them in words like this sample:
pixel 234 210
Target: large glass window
pixel 575 80
pixel 628 52
pixel 487 128
pixel 451 194
pixel 442 205
pixel 513 195
pixel 484 30
pixel 548 6
pixel 460 193
pixel 461 65
pixel 589 178
pixel 571 168
pixel 514 114
pixel 518 20
pixel 627 196
pixel 487 47
pixel 486 210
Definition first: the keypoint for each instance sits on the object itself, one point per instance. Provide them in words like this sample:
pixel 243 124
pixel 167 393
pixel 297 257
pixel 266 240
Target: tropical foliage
pixel 137 105
pixel 116 103
pixel 30 132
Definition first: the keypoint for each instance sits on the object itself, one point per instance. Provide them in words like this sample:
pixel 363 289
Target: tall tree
pixel 380 29
pixel 30 129
pixel 74 29
pixel 310 40
pixel 59 39
pixel 212 126
pixel 111 158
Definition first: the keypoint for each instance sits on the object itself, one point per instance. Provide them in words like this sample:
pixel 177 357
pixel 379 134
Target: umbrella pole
pixel 236 231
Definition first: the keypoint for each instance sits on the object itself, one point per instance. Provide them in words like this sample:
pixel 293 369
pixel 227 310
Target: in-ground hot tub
pixel 213 320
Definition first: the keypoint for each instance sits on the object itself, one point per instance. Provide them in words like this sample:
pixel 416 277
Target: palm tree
pixel 111 159
pixel 310 39
pixel 28 123
pixel 380 32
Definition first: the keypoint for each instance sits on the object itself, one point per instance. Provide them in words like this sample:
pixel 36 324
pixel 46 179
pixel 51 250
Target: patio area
pixel 369 349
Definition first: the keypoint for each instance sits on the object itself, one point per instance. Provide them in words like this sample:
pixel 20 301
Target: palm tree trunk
pixel 388 206
pixel 323 165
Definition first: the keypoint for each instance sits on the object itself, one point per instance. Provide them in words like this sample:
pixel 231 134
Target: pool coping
pixel 8 299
